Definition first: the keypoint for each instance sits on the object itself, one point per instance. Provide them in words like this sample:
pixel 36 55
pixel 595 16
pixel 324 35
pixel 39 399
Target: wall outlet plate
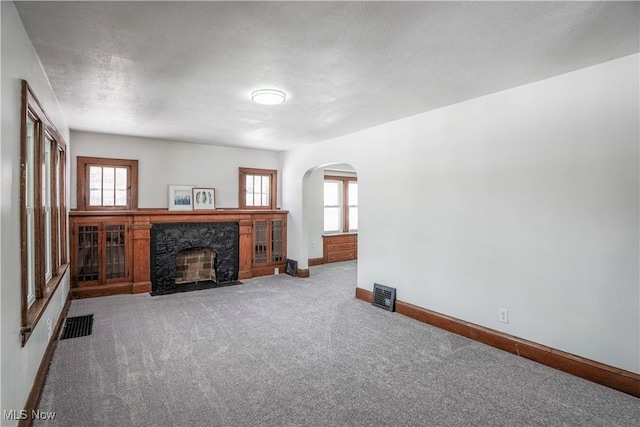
pixel 503 315
pixel 276 270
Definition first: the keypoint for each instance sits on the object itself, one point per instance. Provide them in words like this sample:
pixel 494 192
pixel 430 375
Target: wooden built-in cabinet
pixel 100 255
pixel 269 244
pixel 110 251
pixel 340 247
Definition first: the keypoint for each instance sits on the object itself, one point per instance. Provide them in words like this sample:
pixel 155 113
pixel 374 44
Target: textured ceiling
pixel 184 70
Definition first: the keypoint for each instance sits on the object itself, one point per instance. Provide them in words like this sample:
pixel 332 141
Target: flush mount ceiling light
pixel 268 96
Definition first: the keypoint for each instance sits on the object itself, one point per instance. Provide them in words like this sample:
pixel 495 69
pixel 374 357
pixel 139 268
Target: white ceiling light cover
pixel 268 96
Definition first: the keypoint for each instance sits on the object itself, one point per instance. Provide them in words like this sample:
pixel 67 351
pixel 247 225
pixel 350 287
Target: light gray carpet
pixel 279 350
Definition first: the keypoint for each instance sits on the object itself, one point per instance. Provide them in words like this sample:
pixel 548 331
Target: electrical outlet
pixel 503 315
pixel 276 270
pixel 313 244
pixel 49 328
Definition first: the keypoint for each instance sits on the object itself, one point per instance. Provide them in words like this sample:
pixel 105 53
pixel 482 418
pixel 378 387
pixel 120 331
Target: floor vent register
pixel 384 297
pixel 76 327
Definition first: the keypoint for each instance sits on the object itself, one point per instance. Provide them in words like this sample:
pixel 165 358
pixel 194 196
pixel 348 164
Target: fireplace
pixel 211 249
pixel 195 265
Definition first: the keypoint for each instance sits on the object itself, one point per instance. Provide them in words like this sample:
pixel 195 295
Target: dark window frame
pixel 345 201
pixel 45 282
pixel 273 194
pixel 82 175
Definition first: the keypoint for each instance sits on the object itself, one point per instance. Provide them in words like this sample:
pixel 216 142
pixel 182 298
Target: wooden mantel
pixel 139 223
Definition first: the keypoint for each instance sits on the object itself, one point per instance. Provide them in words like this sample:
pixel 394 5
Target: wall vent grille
pixel 76 327
pixel 384 297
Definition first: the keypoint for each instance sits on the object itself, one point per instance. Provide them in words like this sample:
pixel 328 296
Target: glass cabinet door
pixel 260 242
pixel 88 256
pixel 277 241
pixel 115 251
pixel 101 253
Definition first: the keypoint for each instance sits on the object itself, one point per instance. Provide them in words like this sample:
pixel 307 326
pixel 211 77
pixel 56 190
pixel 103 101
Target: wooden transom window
pixel 258 188
pixel 107 184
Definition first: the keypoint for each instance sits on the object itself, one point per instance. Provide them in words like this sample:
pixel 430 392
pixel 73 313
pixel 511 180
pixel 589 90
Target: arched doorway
pixel 330 212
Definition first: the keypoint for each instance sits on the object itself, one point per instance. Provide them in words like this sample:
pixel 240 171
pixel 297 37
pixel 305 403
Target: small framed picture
pixel 180 197
pixel 204 198
pixel 291 268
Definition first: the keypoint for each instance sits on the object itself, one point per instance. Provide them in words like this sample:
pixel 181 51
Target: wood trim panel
pixel 341 256
pixel 303 273
pixel 364 295
pixel 315 261
pixel 141 230
pixel 185 216
pixel 23 211
pixel 102 290
pixel 43 370
pixel 266 271
pixel 38 307
pixel 141 287
pixel 246 246
pixel 619 379
pixel 63 207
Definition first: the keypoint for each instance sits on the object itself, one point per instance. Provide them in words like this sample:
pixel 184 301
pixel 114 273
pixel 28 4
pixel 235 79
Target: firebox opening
pixel 167 239
pixel 195 265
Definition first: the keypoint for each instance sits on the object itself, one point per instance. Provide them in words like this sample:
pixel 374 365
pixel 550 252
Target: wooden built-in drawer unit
pixel 340 247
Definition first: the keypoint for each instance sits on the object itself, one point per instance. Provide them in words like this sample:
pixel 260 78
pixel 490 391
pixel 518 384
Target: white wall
pixel 313 196
pixel 19 365
pixel 527 199
pixel 162 163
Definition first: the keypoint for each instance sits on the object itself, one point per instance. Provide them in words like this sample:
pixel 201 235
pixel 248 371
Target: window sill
pixel 34 313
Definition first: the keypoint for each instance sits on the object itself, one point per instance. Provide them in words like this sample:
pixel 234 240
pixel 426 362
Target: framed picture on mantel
pixel 180 197
pixel 204 198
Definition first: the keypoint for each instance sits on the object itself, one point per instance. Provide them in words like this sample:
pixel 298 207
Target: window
pixel 258 188
pixel 47 184
pixel 333 206
pixel 43 212
pixel 340 204
pixel 107 184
